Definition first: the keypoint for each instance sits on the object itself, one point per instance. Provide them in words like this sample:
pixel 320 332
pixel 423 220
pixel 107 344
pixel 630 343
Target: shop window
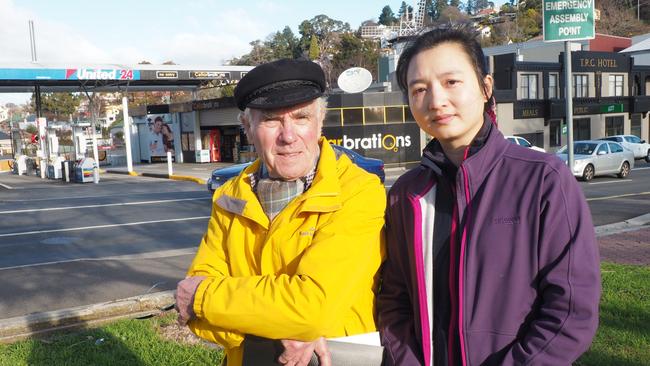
pixel 552 86
pixel 394 114
pixel 635 125
pixel 615 85
pixel 408 116
pixel 580 86
pixel 374 115
pixel 528 86
pixel 582 129
pixel 333 117
pixel 352 116
pixel 187 141
pixel 555 129
pixel 614 125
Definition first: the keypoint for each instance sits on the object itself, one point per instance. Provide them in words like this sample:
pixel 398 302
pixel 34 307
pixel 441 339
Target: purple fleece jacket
pixel 529 276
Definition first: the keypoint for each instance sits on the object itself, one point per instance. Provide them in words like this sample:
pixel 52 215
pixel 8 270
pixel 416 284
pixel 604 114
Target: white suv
pixel 640 148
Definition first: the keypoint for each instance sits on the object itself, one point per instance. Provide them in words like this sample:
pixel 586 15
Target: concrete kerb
pixel 623 226
pixel 160 175
pixel 21 327
pixel 188 178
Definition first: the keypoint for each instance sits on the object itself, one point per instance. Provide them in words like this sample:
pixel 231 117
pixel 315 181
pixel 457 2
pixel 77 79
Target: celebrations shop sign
pixel 392 143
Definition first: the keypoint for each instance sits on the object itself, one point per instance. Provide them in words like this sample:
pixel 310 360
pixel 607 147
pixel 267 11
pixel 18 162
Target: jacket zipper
pixel 461 261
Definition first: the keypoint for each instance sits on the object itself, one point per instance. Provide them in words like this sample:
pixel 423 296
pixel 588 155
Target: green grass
pixel 126 342
pixel 623 337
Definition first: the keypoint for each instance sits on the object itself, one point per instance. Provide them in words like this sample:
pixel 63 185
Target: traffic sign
pixel 568 20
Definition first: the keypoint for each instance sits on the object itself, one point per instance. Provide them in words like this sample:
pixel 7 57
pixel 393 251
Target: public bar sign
pixel 568 20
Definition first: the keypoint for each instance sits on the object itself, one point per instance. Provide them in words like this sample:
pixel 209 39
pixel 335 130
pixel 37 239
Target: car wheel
pixel 647 156
pixel 588 173
pixel 625 170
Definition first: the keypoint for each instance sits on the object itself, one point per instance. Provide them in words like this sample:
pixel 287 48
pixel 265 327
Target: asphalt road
pixel 64 245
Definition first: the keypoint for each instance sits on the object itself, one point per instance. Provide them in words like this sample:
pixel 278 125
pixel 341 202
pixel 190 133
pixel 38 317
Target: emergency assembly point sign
pixel 568 20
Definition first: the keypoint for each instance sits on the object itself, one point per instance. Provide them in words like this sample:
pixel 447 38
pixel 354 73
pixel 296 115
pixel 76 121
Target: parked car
pixel 598 157
pixel 640 148
pixel 518 140
pixel 371 165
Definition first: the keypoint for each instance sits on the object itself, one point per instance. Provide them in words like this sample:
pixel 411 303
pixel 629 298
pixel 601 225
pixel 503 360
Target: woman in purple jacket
pixel 492 257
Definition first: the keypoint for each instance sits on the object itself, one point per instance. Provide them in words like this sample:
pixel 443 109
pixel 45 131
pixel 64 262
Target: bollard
pixel 169 163
pixel 66 171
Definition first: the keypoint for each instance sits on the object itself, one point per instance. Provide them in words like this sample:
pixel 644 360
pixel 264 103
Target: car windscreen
pixel 580 148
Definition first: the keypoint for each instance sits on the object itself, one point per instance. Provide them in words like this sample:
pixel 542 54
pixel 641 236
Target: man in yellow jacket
pixel 294 243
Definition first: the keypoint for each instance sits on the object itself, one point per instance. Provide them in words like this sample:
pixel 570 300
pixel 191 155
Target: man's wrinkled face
pixel 286 139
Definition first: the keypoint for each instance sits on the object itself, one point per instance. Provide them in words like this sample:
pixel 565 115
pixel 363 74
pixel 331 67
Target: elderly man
pixel 294 244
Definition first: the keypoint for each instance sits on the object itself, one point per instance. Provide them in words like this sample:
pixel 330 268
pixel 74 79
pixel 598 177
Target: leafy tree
pixel 403 9
pixel 387 17
pixel 313 48
pixel 58 106
pixel 354 51
pixel 481 4
pixel 454 3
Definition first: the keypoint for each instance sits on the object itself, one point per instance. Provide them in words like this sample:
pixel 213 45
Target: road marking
pixel 6 186
pixel 646 168
pixel 101 226
pixel 96 196
pixel 125 257
pixel 618 196
pixel 611 181
pixel 102 205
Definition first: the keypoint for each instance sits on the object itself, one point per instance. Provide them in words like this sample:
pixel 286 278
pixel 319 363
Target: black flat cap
pixel 280 83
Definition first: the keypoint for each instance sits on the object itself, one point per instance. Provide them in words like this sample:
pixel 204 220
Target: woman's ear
pixel 488 81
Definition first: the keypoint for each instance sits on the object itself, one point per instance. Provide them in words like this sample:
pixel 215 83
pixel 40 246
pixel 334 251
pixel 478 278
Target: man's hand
pixel 297 353
pixel 184 297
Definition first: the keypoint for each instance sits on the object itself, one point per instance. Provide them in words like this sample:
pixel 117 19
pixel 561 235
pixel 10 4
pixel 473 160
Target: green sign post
pixel 568 20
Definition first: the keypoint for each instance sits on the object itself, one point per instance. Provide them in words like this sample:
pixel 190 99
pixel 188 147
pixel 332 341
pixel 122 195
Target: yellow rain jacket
pixel 311 272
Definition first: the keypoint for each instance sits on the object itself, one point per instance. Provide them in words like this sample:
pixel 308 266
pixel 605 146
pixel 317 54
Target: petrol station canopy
pixel 30 76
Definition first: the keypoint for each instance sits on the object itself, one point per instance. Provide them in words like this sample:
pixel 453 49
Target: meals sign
pixel 568 20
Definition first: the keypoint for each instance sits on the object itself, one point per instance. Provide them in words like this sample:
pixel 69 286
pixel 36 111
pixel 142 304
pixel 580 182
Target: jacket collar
pixel 324 195
pixel 484 152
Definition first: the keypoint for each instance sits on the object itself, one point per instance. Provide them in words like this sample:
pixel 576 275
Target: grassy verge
pixel 126 342
pixel 623 336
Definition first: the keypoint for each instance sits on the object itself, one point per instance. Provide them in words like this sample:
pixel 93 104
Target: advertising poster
pixel 392 143
pixel 161 135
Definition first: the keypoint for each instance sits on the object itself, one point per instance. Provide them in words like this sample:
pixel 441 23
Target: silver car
pixel 640 148
pixel 597 157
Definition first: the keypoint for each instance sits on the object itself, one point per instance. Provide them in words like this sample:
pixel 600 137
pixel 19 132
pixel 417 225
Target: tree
pixel 403 9
pixel 354 51
pixel 619 19
pixel 452 15
pixel 58 106
pixel 314 54
pixel 387 17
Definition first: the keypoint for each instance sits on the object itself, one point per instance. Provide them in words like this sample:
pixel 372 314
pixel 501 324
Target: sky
pixel 188 32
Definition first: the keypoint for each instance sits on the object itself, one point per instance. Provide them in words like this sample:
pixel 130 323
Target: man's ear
pixel 246 124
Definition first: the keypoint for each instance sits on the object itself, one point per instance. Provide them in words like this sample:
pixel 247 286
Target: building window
pixel 552 86
pixel 635 125
pixel 613 126
pixel 581 129
pixel 555 129
pixel 615 85
pixel 580 86
pixel 529 86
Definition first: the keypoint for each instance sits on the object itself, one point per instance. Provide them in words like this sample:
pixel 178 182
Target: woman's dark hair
pixel 461 34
